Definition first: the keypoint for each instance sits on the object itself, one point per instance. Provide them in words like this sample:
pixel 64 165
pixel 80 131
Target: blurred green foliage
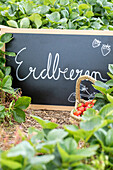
pixel 57 14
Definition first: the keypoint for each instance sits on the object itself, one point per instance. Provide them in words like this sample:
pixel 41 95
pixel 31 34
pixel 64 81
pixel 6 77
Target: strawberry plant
pixel 11 104
pixel 106 90
pixel 57 14
pixel 88 147
pixel 49 148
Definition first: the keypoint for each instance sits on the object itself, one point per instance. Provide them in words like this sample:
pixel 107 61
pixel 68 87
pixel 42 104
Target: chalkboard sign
pixel 48 63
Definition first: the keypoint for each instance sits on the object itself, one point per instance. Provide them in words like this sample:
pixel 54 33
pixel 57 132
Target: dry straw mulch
pixel 9 134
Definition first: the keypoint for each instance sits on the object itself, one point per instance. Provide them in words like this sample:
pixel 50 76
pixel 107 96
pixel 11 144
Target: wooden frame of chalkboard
pixel 57 32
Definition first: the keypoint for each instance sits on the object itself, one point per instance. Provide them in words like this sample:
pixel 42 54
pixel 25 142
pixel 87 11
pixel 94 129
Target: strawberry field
pixel 57 14
pixel 46 140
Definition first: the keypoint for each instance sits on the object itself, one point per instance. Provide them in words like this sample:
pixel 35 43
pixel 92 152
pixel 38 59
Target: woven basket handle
pixel 78 82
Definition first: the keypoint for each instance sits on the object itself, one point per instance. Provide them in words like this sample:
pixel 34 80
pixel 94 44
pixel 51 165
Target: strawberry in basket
pixel 82 107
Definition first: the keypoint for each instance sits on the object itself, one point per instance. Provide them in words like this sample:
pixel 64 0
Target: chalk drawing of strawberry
pixel 96 43
pixel 83 88
pixel 105 49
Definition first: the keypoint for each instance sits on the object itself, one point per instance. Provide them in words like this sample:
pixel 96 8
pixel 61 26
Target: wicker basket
pixel 78 99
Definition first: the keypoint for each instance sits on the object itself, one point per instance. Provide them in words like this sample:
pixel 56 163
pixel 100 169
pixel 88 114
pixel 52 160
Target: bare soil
pixel 8 133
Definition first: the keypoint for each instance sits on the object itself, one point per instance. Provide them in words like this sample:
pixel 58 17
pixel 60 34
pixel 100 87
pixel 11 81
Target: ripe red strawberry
pixel 92 105
pixel 81 105
pixel 86 104
pixel 87 107
pixel 93 101
pixel 81 109
pixel 77 113
pixel 74 110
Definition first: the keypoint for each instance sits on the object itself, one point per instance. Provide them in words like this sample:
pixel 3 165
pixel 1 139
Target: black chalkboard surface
pixel 47 65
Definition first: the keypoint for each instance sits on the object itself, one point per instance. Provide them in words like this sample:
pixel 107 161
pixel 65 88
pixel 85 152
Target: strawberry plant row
pixel 11 104
pixel 58 14
pixel 52 148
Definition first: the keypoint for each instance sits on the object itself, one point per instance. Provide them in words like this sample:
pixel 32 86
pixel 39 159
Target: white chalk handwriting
pixel 57 72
